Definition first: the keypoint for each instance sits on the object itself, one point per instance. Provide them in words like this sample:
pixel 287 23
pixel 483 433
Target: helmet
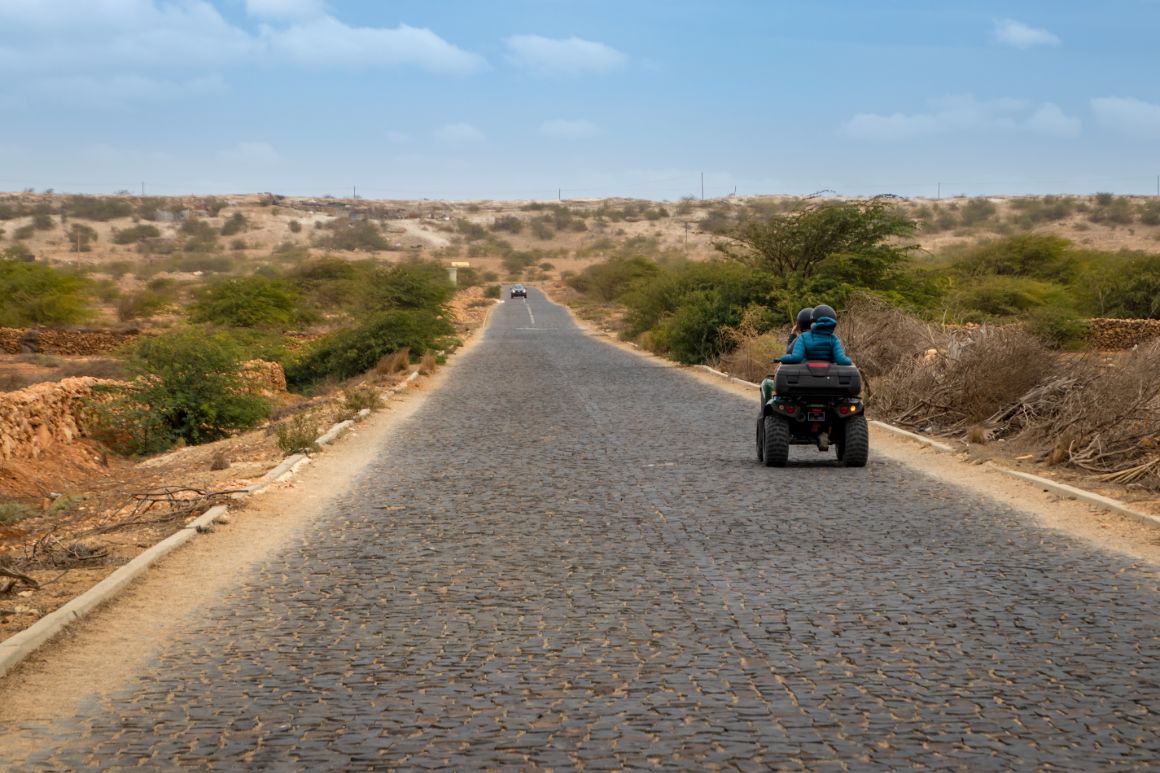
pixel 804 318
pixel 825 311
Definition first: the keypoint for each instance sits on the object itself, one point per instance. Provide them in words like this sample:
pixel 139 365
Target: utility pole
pixel 702 186
pixel 686 236
pixel 559 194
pixel 354 192
pixel 142 189
pixel 938 196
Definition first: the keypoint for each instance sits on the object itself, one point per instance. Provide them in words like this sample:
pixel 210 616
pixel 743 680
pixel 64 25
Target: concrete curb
pixel 16 648
pixel 912 436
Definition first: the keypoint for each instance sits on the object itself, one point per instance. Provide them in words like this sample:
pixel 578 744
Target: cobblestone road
pixel 569 559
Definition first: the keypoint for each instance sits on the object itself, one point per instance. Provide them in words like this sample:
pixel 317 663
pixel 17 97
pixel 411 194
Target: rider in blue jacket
pixel 819 342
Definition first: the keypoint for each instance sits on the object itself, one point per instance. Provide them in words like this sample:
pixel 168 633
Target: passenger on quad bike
pixel 813 399
pixel 819 344
pixel 802 323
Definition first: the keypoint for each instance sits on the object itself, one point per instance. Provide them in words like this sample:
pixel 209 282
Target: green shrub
pixel 1039 256
pixel 32 294
pixel 295 227
pixel 24 232
pixel 508 224
pixel 298 435
pixel 363 235
pixel 1058 327
pixel 142 304
pixel 353 351
pixel 135 234
pixel 235 224
pixel 977 211
pixel 1150 213
pixel 81 237
pixel 1007 296
pixel 254 301
pixel 608 280
pixel 492 291
pixel 189 386
pixel 43 221
pixel 100 208
pixel 15 512
pixel 200 236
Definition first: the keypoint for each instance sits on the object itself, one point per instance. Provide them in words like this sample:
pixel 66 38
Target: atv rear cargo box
pixel 818 378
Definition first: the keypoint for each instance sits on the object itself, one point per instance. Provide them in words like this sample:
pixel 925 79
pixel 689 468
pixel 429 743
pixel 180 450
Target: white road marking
pixel 531 315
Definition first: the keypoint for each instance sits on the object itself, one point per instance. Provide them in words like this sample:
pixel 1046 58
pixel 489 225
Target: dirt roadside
pixel 103 651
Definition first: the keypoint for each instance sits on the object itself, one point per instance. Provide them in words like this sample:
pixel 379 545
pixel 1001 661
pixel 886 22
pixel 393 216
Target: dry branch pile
pixel 1118 334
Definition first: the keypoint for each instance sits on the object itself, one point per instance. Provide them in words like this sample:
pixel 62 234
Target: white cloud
pixel 569 130
pixel 285 9
pixel 251 154
pixel 1050 119
pixel 70 36
pixel 1128 115
pixel 1019 35
pixel 963 113
pixel 329 41
pixel 459 133
pixel 572 55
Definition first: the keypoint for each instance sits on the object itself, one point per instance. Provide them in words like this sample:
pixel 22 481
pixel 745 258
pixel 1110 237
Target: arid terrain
pixel 100 509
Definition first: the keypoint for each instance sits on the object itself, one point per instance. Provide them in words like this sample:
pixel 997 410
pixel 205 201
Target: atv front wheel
pixel 776 445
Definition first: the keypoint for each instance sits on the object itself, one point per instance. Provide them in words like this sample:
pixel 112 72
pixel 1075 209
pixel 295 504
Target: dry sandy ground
pixel 103 651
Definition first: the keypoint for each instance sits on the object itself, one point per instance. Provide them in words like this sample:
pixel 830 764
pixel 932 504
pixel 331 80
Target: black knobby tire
pixel 776 446
pixel 760 439
pixel 856 446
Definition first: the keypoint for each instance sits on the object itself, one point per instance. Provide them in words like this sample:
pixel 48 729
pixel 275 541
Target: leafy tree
pixel 254 301
pixel 32 294
pixel 820 247
pixel 687 306
pixel 609 279
pixel 189 386
pixel 352 351
pixel 1040 256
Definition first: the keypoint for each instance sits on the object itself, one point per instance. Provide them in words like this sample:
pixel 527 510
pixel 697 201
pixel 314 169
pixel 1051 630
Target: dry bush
pixel 753 357
pixel 1102 416
pixel 361 397
pixel 979 373
pixel 879 337
pixel 394 362
pixel 428 364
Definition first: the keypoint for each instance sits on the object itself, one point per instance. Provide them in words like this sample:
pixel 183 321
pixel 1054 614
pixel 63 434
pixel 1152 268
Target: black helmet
pixel 825 311
pixel 805 317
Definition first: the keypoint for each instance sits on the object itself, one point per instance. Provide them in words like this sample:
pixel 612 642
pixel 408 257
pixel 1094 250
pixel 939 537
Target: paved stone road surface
pixel 569 559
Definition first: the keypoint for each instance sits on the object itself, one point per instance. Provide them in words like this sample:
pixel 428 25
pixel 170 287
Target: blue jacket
pixel 818 344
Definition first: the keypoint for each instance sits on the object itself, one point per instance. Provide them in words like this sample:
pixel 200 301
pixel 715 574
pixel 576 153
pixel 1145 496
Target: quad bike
pixel 813 403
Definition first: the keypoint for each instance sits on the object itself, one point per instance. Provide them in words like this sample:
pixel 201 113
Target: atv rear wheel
pixel 760 439
pixel 855 447
pixel 776 441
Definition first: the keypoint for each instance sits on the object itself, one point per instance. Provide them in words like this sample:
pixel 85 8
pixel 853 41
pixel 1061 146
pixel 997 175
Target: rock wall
pixel 78 343
pixel 34 419
pixel 1116 334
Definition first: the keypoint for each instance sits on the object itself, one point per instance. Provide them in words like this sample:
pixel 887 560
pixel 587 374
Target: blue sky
pixel 465 99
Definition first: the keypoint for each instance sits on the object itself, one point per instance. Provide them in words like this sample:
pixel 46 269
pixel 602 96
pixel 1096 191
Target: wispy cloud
pixel 326 41
pixel 569 130
pixel 964 113
pixel 459 134
pixel 571 56
pixel 285 9
pixel 1019 35
pixel 150 36
pixel 1128 115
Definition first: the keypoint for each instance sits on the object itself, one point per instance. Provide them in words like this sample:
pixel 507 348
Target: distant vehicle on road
pixel 519 291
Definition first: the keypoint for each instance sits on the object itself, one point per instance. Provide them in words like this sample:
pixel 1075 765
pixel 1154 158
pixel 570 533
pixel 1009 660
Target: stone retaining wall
pixel 34 419
pixel 1116 334
pixel 78 343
